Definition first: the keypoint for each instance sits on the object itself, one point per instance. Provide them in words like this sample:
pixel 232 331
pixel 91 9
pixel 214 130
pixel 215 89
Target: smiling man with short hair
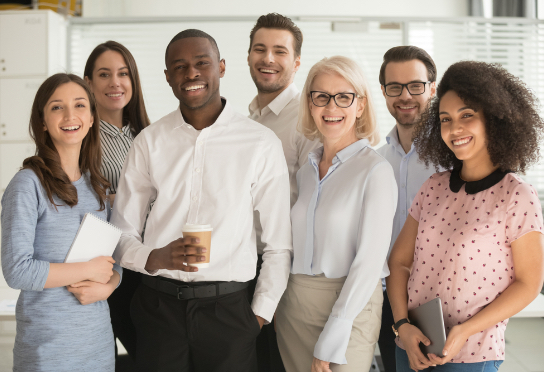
pixel 204 163
pixel 408 80
pixel 273 59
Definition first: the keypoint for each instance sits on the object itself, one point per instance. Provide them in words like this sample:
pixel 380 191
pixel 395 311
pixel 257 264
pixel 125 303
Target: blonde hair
pixel 365 126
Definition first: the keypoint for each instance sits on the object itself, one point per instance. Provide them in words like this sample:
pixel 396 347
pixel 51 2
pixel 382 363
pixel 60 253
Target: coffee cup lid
pixel 196 228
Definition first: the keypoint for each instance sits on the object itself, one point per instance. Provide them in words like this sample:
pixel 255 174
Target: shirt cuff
pixel 333 341
pixel 140 260
pixel 263 307
pixel 120 272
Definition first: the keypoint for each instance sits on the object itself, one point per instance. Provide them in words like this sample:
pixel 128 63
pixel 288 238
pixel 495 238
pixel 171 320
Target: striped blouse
pixel 115 144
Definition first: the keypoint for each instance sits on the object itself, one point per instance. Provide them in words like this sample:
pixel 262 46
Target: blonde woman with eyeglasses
pixel 329 316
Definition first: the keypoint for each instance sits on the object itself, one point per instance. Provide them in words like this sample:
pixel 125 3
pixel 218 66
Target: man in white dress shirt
pixel 408 80
pixel 204 163
pixel 273 59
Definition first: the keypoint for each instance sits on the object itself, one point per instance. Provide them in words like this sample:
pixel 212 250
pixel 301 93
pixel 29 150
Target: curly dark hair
pixel 513 126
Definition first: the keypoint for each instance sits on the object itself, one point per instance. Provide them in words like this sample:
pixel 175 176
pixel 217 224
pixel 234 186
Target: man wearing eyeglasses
pixel 408 80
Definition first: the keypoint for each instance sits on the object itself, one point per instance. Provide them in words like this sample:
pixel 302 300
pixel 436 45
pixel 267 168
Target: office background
pixel 450 30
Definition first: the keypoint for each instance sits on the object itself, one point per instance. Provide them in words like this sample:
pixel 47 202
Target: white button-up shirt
pixel 281 116
pixel 342 227
pixel 410 174
pixel 218 176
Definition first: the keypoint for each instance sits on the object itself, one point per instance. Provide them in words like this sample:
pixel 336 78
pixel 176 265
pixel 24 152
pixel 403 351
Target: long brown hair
pixel 46 163
pixel 134 113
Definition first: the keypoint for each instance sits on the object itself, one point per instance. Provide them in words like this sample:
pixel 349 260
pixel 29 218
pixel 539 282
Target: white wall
pixel 188 8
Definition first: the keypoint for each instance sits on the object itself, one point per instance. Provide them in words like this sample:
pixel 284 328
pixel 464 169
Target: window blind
pixel 517 45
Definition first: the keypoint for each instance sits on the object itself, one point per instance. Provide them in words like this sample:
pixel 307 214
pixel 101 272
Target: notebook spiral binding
pixel 101 220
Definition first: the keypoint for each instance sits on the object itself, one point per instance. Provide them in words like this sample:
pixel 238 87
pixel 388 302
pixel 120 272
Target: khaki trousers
pixel 301 316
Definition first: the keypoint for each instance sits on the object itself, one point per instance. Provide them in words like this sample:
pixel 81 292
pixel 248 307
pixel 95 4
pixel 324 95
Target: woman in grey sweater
pixel 41 212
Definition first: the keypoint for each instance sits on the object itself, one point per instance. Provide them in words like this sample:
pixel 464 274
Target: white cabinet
pixel 12 155
pixel 32 48
pixel 15 113
pixel 32 43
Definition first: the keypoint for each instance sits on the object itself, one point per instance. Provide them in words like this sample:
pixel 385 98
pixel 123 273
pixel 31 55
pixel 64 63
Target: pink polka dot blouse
pixel 463 251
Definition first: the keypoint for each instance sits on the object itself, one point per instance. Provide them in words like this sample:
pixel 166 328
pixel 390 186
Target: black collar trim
pixel 475 186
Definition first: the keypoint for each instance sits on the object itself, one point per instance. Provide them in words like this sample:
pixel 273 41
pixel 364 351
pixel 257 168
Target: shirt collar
pixel 112 130
pixel 393 140
pixel 474 187
pixel 341 156
pixel 279 103
pixel 223 119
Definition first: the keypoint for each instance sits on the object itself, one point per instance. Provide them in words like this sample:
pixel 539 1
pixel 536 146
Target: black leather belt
pixel 187 291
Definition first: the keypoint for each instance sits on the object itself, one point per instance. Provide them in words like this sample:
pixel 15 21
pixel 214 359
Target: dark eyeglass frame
pixel 334 98
pixel 406 86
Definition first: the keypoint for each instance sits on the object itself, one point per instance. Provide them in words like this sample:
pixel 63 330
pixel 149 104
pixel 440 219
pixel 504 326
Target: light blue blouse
pixel 54 331
pixel 342 228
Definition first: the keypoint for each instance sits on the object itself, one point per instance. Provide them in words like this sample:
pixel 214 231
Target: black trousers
pixel 386 342
pixel 119 303
pixel 214 334
pixel 268 353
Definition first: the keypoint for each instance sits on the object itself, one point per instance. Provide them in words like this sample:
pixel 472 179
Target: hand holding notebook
pixel 95 237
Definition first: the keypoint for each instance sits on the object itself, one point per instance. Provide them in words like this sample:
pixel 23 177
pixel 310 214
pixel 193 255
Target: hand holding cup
pixel 177 255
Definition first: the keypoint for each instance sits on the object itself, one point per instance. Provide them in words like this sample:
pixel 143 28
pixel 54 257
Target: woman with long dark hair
pixel 474 234
pixel 112 74
pixel 42 208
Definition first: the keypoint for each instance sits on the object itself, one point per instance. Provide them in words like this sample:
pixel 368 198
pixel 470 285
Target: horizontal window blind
pixel 519 47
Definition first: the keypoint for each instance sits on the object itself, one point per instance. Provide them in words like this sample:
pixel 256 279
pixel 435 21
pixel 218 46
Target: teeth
pixel 195 87
pixel 332 118
pixel 268 71
pixel 114 95
pixel 462 141
pixel 407 107
pixel 75 127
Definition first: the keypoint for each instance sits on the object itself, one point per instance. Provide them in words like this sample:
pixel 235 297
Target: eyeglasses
pixel 322 99
pixel 415 89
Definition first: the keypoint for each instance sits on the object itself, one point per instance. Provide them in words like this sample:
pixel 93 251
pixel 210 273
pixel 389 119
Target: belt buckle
pixel 180 292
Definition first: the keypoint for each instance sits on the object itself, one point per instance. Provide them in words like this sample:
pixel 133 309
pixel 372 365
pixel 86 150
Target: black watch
pixel 397 325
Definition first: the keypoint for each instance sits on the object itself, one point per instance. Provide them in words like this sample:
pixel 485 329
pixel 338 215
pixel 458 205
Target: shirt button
pixel 195 198
pixel 403 211
pixel 404 159
pixel 403 185
pixel 199 143
pixel 197 170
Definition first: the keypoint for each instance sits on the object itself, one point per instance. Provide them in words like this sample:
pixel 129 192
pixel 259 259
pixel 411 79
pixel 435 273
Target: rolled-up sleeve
pixel 374 235
pixel 270 191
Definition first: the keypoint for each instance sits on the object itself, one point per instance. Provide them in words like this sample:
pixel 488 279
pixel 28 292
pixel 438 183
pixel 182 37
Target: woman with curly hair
pixel 474 234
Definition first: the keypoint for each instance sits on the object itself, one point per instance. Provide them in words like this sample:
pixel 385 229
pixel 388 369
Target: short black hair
pixel 405 53
pixel 191 32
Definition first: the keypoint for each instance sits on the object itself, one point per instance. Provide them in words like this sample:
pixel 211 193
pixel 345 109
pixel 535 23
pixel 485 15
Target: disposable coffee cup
pixel 204 233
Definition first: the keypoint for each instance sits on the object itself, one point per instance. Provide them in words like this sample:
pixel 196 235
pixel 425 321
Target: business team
pixel 304 213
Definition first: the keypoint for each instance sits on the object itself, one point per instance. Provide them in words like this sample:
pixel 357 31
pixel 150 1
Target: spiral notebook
pixel 95 237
